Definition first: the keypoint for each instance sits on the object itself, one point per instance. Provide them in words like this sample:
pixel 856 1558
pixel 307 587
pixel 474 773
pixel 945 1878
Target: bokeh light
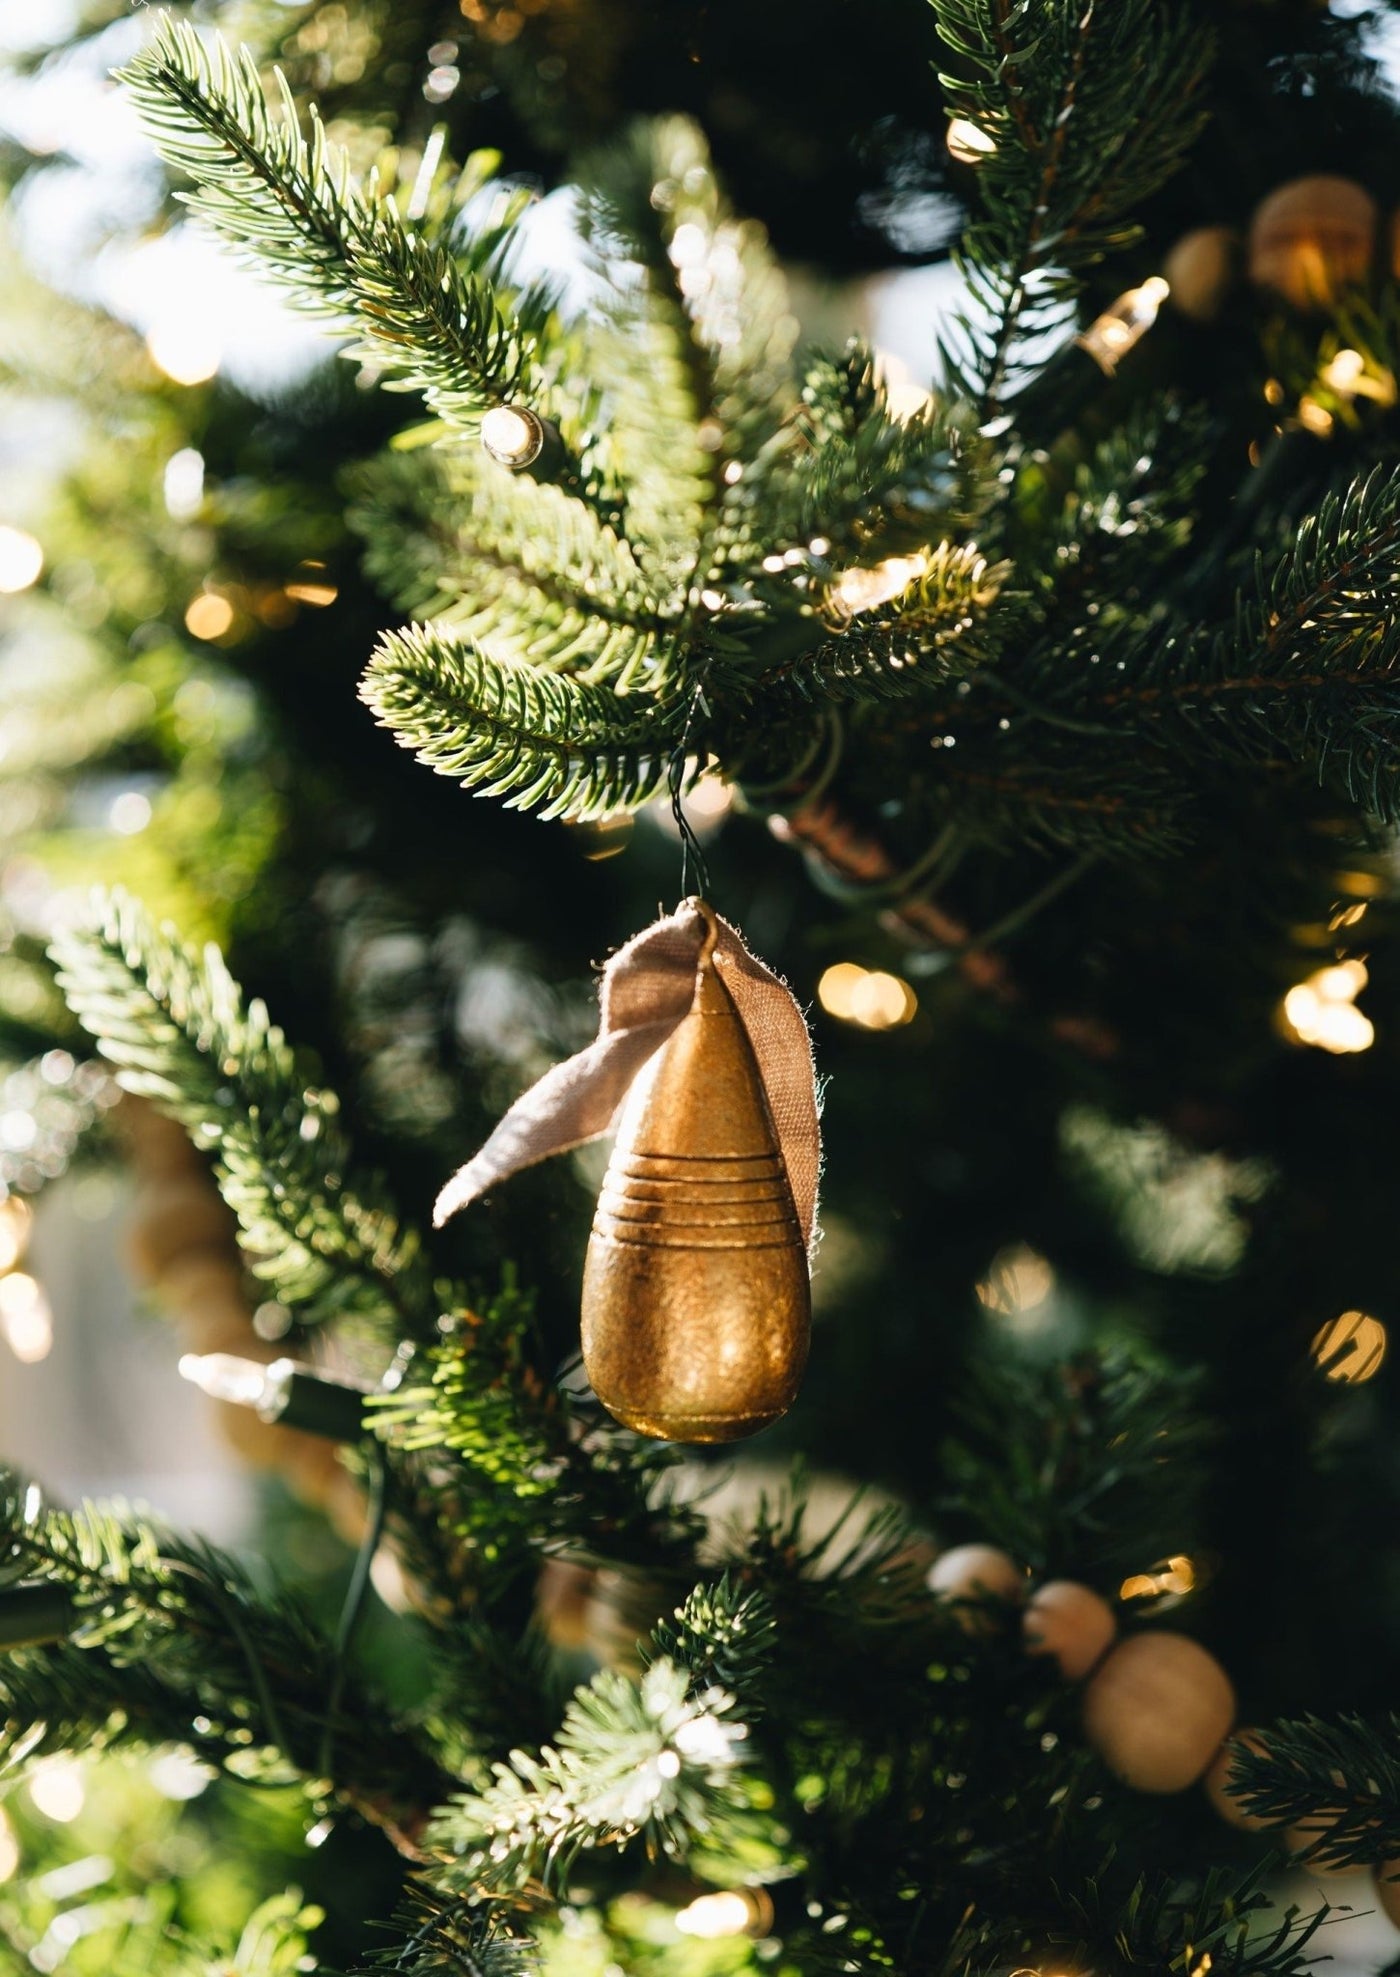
pixel 1322 1010
pixel 209 615
pixel 57 1791
pixel 21 559
pixel 866 997
pixel 1018 1281
pixel 1173 1578
pixel 26 1322
pixel 187 350
pixel 1351 1347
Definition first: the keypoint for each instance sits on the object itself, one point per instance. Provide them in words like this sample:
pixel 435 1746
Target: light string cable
pixel 692 853
pixel 376 1509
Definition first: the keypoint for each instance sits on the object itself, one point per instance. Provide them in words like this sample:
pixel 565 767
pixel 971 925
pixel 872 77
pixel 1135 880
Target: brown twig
pixel 855 854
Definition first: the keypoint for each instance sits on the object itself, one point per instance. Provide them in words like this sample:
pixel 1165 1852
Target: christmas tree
pixel 1050 714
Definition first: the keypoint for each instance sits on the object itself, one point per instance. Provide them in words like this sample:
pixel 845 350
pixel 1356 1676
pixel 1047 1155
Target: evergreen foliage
pixel 177 1027
pixel 1122 647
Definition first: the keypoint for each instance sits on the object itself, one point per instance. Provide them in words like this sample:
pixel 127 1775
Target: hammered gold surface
pixel 696 1292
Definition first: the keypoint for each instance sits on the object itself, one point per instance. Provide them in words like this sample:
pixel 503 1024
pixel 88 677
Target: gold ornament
pixel 1313 238
pixel 696 1294
pixel 1157 1709
pixel 1071 1623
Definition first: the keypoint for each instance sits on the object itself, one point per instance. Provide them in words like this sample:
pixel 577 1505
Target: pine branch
pixel 439 1935
pixel 1309 666
pixel 474 1393
pixel 1341 1779
pixel 429 319
pixel 868 483
pixel 942 625
pixel 540 741
pixel 520 568
pixel 1157 1924
pixel 169 1630
pixel 537 1466
pixel 693 355
pixel 656 1759
pixel 1085 108
pixel 326 1238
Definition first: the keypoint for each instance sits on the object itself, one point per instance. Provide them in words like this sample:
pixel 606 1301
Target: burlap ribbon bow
pixel 647 987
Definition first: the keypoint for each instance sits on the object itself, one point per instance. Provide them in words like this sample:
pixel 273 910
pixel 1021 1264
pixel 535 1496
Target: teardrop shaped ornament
pixel 696 1290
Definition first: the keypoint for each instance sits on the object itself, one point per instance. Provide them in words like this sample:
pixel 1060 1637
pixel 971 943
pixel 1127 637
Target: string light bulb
pixel 1112 335
pixel 296 1396
pixel 860 590
pixel 513 435
pixel 1322 1010
pixel 968 142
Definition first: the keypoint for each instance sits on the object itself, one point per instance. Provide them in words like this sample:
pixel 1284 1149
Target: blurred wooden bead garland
pixel 1157 1707
pixel 1308 242
pixel 1312 239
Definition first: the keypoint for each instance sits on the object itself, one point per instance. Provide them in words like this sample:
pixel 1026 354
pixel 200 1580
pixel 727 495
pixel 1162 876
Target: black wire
pixel 355 1598
pixel 227 1608
pixel 690 844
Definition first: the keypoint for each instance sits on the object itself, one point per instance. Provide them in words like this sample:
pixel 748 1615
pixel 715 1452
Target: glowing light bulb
pixel 312 586
pixel 26 1321
pixel 209 615
pixel 183 484
pixel 967 142
pixel 188 351
pixel 1113 334
pixel 224 1376
pixel 1350 1348
pixel 1174 1577
pixel 866 997
pixel 1349 375
pixel 57 1791
pixel 859 590
pixel 731 1912
pixel 129 813
pixel 15 1219
pixel 1321 1011
pixel 1315 418
pixel 1018 1281
pixel 513 435
pixel 21 559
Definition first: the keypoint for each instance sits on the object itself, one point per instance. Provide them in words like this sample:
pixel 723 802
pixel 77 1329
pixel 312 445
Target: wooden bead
pixel 1157 1710
pixel 1388 1890
pixel 1312 238
pixel 1071 1623
pixel 976 1573
pixel 1200 271
pixel 1221 1774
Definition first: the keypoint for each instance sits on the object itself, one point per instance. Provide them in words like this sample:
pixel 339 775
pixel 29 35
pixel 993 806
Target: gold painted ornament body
pixel 696 1289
